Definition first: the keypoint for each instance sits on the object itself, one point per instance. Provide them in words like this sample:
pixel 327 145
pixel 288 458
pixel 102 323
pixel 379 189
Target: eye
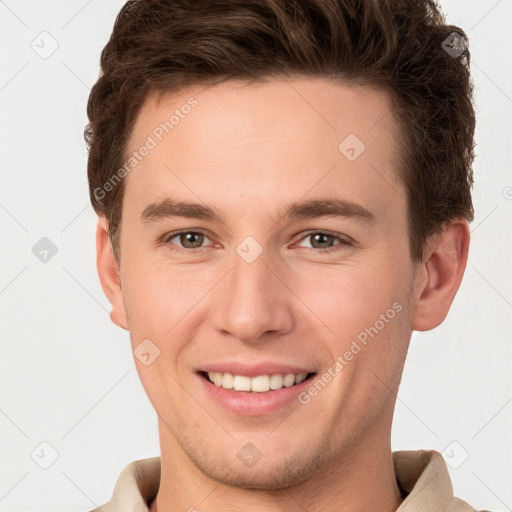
pixel 325 241
pixel 187 239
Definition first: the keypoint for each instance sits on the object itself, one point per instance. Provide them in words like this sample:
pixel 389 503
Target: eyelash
pixel 343 241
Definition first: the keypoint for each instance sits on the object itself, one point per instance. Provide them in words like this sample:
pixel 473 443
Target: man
pixel 283 191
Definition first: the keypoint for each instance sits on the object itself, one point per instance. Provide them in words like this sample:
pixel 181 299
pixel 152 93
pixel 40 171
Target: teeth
pixel 289 380
pixel 259 384
pixel 217 379
pixel 276 381
pixel 227 381
pixel 241 383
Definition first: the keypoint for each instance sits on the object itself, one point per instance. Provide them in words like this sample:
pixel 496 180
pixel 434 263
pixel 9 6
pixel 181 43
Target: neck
pixel 363 479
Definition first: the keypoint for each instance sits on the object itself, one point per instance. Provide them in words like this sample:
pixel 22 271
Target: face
pixel 262 245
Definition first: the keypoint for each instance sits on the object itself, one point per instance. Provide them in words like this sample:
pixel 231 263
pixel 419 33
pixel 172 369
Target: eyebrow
pixel 310 209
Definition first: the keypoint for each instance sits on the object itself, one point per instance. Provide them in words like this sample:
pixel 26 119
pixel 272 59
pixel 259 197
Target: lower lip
pixel 252 403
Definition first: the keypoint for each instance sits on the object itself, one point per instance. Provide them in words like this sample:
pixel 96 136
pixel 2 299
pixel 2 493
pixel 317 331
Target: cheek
pixel 349 299
pixel 158 308
pixel 158 298
pixel 366 310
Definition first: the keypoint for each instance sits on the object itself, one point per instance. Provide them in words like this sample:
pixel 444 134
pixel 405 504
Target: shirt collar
pixel 422 476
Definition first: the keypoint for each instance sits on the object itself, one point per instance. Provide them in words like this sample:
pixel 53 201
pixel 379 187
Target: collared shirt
pixel 422 477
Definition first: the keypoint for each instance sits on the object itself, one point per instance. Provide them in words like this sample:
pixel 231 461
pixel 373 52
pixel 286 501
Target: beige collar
pixel 421 475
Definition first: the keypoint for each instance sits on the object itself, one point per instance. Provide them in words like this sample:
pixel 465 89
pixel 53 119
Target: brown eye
pixel 321 240
pixel 191 240
pixel 324 242
pixel 186 240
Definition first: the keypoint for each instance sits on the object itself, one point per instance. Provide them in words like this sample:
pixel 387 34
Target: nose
pixel 252 304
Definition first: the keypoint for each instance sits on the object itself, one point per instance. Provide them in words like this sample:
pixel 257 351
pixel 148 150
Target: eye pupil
pixel 191 240
pixel 321 238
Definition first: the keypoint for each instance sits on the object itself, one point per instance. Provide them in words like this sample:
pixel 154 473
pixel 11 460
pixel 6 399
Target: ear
pixel 439 275
pixel 108 272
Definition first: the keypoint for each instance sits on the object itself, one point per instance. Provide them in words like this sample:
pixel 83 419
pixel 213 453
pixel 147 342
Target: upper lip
pixel 253 370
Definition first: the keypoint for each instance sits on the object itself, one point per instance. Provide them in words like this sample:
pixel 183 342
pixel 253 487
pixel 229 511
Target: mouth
pixel 265 383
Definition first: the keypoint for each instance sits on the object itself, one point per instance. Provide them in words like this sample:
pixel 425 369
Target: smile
pixel 257 384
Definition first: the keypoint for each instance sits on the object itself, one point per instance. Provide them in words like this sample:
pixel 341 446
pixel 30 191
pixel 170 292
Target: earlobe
pixel 440 275
pixel 108 272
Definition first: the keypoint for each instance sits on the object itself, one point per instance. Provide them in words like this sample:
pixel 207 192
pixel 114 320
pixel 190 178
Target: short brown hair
pixel 397 45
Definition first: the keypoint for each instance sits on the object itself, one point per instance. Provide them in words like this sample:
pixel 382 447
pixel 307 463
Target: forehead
pixel 274 139
pixel 237 108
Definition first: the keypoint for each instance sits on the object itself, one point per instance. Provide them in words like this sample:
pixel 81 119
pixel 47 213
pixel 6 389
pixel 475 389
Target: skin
pixel 248 151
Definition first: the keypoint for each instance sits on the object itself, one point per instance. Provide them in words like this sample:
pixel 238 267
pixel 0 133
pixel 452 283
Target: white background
pixel 67 374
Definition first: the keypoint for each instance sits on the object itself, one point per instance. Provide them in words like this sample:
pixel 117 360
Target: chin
pixel 268 473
